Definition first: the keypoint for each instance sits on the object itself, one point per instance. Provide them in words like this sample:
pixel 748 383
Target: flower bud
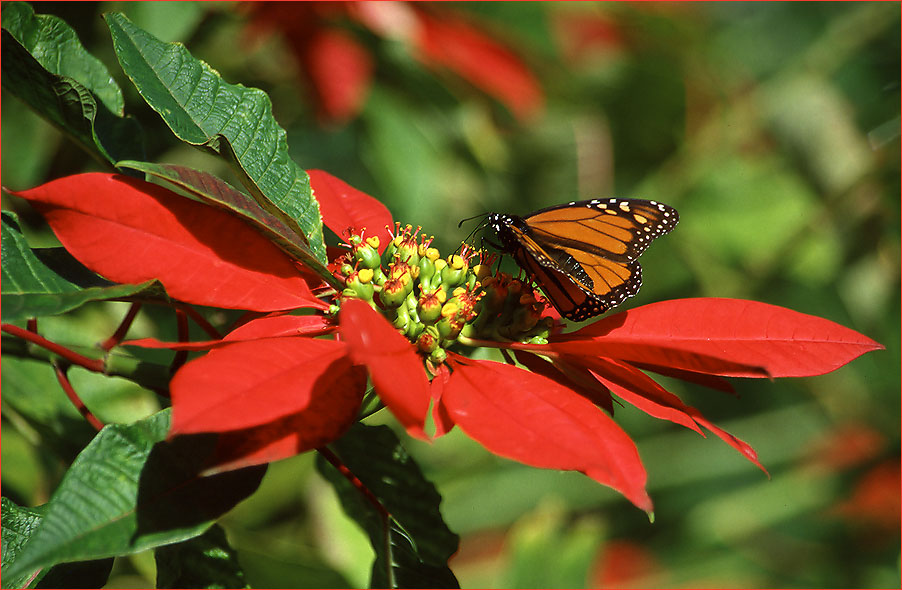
pixel 395 291
pixel 429 306
pixel 455 272
pixel 360 283
pixel 438 356
pixel 366 254
pixel 428 340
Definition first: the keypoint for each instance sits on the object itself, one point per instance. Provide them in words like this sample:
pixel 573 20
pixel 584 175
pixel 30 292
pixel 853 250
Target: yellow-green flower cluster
pixel 436 301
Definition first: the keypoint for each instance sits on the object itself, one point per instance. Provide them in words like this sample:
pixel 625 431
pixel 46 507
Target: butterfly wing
pixel 583 254
pixel 567 284
pixel 615 229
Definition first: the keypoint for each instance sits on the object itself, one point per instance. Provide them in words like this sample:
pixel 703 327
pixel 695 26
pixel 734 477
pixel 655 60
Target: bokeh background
pixel 772 127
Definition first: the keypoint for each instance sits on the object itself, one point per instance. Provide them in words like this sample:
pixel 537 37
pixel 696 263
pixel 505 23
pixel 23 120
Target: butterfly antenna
pixel 463 221
pixel 476 229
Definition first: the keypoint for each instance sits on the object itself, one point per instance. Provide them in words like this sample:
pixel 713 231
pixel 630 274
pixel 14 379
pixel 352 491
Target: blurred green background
pixel 772 127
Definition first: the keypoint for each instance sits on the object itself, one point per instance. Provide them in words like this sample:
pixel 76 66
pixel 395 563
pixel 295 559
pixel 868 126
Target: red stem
pixel 96 365
pixel 121 331
pixel 63 379
pixel 199 320
pixel 332 458
pixel 182 355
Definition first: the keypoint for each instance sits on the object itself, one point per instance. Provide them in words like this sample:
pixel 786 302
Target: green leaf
pixel 218 193
pixel 129 491
pixel 51 282
pixel 46 66
pixel 413 547
pixel 234 121
pixel 18 526
pixel 56 47
pixel 207 561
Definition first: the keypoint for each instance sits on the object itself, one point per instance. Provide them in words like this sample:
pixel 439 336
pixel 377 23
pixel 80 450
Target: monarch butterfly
pixel 583 254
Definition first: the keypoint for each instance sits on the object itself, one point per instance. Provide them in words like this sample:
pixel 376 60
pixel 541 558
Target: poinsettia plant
pixel 320 336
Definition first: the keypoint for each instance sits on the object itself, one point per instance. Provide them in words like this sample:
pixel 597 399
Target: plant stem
pixel 92 364
pixel 149 375
pixel 122 330
pixel 64 382
pixel 181 356
pixel 336 462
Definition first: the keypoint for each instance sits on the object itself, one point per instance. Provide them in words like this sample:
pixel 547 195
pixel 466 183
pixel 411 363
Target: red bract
pixel 339 69
pixel 530 418
pixel 396 370
pixel 729 337
pixel 344 207
pixel 250 383
pixel 131 231
pixel 444 41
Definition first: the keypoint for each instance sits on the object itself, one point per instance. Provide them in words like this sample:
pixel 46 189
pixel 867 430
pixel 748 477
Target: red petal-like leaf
pixel 251 383
pixel 189 346
pixel 282 325
pixel 737 443
pixel 268 327
pixel 443 422
pixel 640 390
pixel 455 44
pixel 709 381
pixel 720 336
pixel 582 36
pixel 131 231
pixel 532 419
pixel 340 70
pixel 330 412
pixel 571 375
pixel 637 388
pixel 395 369
pixel 343 207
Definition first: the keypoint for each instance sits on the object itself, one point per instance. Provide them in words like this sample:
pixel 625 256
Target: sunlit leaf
pixel 532 419
pixel 132 231
pixel 395 369
pixel 345 207
pixel 31 288
pixel 47 67
pixel 719 336
pixel 253 383
pixel 128 491
pixel 235 122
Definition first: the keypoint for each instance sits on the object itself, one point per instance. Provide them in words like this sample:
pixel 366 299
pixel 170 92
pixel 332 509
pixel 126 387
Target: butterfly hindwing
pixel 583 254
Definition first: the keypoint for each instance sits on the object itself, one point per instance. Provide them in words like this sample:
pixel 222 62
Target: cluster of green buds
pixel 437 302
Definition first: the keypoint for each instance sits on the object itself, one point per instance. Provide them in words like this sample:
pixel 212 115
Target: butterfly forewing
pixel 583 254
pixel 617 229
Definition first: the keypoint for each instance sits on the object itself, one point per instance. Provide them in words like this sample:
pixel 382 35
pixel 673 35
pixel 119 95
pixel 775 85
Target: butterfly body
pixel 583 254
